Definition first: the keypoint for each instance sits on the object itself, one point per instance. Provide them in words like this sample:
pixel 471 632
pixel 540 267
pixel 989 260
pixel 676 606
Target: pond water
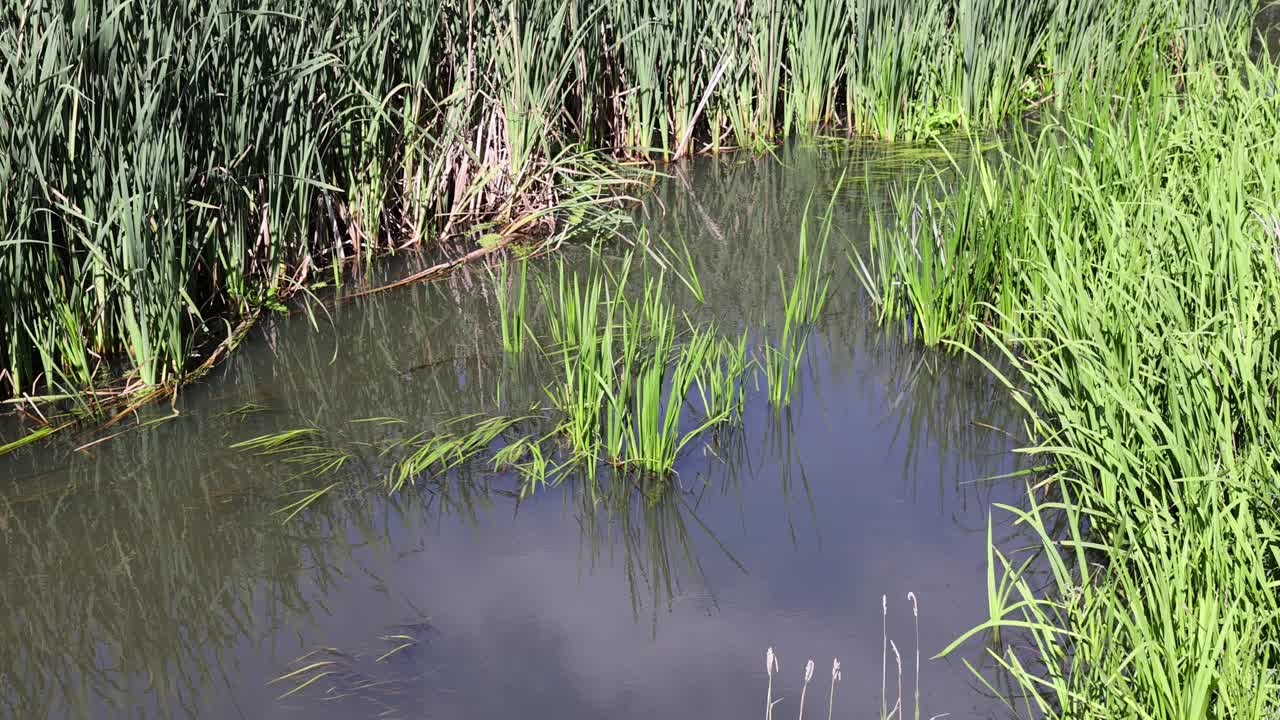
pixel 150 575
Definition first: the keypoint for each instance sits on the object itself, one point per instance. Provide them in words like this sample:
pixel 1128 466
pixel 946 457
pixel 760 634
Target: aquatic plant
pixel 808 676
pixel 585 345
pixel 835 679
pixel 897 711
pixel 512 307
pixel 302 451
pixel 719 381
pixel 687 270
pixel 627 371
pixel 450 447
pixel 355 674
pixel 771 667
pixel 929 270
pixel 803 303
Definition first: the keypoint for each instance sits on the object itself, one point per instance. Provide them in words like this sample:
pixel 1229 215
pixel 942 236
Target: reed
pixel 172 166
pixel 895 712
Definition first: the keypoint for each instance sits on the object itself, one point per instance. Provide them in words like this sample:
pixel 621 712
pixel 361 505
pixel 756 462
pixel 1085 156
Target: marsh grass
pixel 928 270
pixel 1125 269
pixel 364 674
pixel 511 305
pixel 173 169
pixel 630 383
pixel 459 441
pixel 308 457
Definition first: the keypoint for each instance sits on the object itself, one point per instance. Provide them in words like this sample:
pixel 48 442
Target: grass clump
pixel 1127 267
pixel 628 370
pixel 803 303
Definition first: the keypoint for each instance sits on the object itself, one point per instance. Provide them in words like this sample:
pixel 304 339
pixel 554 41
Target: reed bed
pixel 172 166
pixel 1127 268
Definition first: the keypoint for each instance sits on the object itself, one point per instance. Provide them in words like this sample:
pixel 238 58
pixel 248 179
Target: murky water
pixel 151 574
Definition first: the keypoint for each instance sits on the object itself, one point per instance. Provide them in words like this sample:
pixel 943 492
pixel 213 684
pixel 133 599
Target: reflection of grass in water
pixel 370 675
pixel 83 592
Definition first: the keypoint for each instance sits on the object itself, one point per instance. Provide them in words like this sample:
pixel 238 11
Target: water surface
pixel 151 575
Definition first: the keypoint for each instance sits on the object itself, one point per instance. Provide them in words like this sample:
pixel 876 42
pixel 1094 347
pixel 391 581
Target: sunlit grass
pixel 512 307
pixel 804 299
pixel 1126 268
pixel 629 368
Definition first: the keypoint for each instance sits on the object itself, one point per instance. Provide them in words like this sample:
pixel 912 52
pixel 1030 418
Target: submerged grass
pixel 168 166
pixel 1127 267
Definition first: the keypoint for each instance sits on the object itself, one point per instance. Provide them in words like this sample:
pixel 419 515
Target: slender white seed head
pixel 835 670
pixel 808 672
pixel 770 662
pixel 915 607
pixel 884 604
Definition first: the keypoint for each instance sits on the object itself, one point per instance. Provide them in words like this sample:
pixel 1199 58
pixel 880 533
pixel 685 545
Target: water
pixel 150 575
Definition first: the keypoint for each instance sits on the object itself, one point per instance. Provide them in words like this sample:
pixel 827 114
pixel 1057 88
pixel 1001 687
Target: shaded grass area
pixel 172 165
pixel 1127 266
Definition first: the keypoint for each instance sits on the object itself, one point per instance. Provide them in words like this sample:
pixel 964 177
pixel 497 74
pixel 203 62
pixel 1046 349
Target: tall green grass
pixel 629 371
pixel 170 165
pixel 1127 267
pixel 803 302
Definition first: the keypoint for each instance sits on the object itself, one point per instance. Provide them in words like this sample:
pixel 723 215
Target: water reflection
pixel 151 575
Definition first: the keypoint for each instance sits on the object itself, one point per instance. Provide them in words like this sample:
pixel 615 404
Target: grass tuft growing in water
pixel 512 308
pixel 803 303
pixel 628 369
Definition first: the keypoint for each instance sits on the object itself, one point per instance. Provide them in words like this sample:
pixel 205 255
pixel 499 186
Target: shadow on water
pixel 152 574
